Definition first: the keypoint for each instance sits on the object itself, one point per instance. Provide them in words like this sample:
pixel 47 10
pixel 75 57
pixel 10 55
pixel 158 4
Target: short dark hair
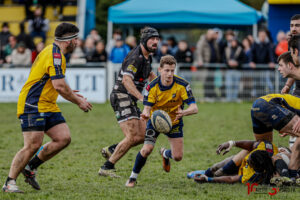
pixel 167 59
pixel 286 58
pixel 5 24
pixel 295 17
pixel 65 29
pixel 294 41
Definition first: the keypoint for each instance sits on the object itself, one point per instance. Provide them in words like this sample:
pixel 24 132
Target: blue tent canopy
pixel 220 12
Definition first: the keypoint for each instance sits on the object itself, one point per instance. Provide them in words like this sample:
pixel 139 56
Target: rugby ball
pixel 161 121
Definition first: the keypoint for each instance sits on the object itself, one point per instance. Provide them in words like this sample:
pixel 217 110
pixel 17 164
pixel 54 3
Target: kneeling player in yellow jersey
pixel 167 92
pixel 38 111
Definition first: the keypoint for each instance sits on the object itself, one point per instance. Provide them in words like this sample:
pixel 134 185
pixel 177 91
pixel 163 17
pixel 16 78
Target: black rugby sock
pixel 109 165
pixel 282 168
pixel 112 147
pixel 35 162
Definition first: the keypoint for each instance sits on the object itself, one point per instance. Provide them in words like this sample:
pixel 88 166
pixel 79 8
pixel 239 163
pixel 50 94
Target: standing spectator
pixel 184 54
pixel 36 3
pixel 99 54
pixel 117 35
pixel 38 26
pixel 131 41
pixel 89 48
pixel 25 38
pixel 163 51
pixel 4 35
pixel 172 45
pixel 229 36
pixel 247 80
pixel 262 53
pixel 94 35
pixel 207 51
pixel 119 52
pixel 21 55
pixel 233 57
pixel 282 43
pixel 39 47
pixel 8 49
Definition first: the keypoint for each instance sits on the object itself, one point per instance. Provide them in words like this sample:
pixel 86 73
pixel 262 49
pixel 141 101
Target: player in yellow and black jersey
pixel 38 111
pixel 167 92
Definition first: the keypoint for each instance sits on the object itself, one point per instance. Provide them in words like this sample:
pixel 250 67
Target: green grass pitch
pixel 73 174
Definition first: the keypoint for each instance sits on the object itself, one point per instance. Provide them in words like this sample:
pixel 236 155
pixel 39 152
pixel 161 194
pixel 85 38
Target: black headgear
pixel 148 33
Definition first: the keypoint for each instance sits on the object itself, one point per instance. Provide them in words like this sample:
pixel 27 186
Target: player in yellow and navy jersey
pixel 167 92
pixel 259 165
pixel 38 111
pixel 281 111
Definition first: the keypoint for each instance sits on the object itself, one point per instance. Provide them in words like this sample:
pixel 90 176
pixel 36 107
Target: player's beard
pixel 70 48
pixel 152 50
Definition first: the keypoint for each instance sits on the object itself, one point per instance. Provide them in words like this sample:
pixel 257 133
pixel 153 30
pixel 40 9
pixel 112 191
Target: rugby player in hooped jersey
pixel 167 92
pixel 38 111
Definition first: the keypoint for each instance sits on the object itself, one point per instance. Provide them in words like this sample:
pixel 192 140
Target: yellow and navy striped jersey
pixel 38 93
pixel 288 101
pixel 168 98
pixel 248 173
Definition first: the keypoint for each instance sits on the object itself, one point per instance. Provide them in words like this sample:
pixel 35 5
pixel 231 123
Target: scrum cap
pixel 146 34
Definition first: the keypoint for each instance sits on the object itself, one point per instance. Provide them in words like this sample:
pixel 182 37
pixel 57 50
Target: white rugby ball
pixel 161 121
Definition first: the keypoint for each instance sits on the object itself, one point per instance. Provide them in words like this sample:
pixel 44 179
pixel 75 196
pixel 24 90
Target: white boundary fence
pixel 212 82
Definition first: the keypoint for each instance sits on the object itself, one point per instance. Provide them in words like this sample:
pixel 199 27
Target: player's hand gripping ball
pixel 161 121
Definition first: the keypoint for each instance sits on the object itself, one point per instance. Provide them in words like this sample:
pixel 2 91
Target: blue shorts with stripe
pixel 152 134
pixel 272 112
pixel 40 121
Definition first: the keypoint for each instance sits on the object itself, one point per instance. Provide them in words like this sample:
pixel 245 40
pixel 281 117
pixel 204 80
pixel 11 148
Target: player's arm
pixel 192 109
pixel 66 92
pixel 130 87
pixel 222 179
pixel 243 144
pixel 146 112
pixel 286 88
pixel 151 76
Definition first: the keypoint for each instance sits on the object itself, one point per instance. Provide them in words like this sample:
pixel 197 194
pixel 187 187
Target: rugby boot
pixel 281 180
pixel 131 182
pixel 106 153
pixel 30 177
pixel 104 171
pixel 11 187
pixel 194 173
pixel 166 161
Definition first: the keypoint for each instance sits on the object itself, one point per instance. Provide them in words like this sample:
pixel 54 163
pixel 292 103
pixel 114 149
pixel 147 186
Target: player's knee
pixel 64 141
pixel 177 157
pixel 34 147
pixel 147 151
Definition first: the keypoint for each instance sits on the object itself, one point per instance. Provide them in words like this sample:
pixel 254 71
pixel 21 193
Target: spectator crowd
pixel 211 48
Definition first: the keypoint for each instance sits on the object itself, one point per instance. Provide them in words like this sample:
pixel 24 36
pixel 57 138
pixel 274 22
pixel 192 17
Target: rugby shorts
pixel 151 134
pixel 267 116
pixel 40 121
pixel 124 106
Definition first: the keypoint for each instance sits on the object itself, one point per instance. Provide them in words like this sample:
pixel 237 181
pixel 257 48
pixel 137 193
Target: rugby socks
pixel 112 147
pixel 139 164
pixel 109 165
pixel 167 153
pixel 282 168
pixel 293 173
pixel 230 168
pixel 209 173
pixel 35 162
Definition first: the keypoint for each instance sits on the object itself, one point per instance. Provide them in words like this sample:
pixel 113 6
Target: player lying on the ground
pixel 258 163
pixel 167 92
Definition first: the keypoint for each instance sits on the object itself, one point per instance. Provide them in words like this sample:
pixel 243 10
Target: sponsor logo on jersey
pixel 132 68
